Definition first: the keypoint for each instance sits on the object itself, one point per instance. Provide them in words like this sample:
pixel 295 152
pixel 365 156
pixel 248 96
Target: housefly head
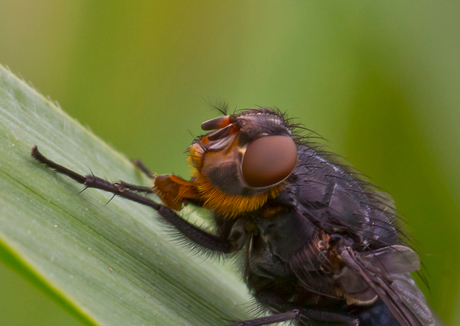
pixel 245 154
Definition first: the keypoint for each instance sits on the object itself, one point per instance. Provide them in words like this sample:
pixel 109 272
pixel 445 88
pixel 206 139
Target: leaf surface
pixel 111 264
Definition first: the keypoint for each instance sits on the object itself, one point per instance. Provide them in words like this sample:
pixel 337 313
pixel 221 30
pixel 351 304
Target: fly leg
pixel 304 316
pixel 139 164
pixel 285 316
pixel 151 175
pixel 136 188
pixel 195 234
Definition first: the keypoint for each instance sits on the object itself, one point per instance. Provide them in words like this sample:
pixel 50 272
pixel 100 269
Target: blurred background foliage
pixel 378 79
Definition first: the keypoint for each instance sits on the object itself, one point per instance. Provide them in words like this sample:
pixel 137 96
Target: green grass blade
pixel 106 264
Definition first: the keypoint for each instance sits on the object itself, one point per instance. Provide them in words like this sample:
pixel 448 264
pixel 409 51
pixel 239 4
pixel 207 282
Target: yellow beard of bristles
pixel 230 206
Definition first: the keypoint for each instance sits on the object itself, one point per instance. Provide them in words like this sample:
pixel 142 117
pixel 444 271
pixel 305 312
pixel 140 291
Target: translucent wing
pixel 414 299
pixel 384 273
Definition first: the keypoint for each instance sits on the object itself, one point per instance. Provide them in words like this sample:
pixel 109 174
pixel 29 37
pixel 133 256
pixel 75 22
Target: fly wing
pixel 414 299
pixel 385 273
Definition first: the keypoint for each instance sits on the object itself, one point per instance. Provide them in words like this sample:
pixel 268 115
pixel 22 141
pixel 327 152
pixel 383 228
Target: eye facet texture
pixel 269 160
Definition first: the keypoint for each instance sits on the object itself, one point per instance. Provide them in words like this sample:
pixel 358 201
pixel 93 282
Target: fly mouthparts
pixel 218 123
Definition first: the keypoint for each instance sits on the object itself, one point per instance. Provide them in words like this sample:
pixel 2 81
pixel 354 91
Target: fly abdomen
pixel 376 315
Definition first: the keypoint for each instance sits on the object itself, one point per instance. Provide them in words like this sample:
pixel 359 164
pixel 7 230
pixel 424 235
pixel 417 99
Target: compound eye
pixel 269 160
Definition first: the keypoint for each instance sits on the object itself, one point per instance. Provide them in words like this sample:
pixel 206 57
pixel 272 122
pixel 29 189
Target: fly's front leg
pixel 135 188
pixel 151 175
pixel 195 234
pixel 139 164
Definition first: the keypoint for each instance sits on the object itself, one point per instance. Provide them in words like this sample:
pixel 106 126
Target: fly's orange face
pixel 240 164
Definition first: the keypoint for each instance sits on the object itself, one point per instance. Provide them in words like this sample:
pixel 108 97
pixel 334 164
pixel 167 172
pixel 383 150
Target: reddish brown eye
pixel 269 160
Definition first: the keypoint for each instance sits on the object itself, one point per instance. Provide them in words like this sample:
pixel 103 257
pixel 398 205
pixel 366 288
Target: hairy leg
pixel 195 234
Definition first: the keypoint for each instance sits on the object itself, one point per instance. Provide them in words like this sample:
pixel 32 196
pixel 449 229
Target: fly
pixel 320 245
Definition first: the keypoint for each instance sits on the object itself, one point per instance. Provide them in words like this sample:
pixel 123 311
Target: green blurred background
pixel 379 80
